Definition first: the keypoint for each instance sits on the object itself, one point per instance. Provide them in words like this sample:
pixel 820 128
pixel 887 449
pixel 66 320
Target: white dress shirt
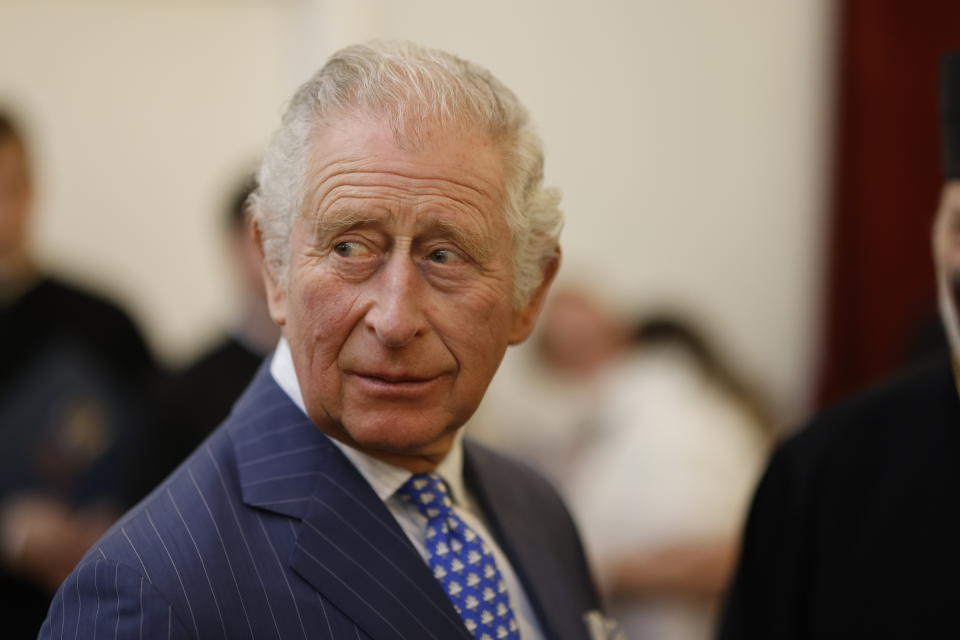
pixel 386 479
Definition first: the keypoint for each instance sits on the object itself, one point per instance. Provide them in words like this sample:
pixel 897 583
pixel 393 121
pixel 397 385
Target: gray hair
pixel 413 88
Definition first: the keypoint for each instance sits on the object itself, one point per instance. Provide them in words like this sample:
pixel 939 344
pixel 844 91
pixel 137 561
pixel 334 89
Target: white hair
pixel 415 89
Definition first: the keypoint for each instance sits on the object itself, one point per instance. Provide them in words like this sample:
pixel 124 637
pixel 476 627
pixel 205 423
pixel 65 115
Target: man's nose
pixel 396 316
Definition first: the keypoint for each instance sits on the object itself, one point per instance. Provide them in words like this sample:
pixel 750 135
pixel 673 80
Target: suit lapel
pixel 352 550
pixel 522 537
pixel 348 545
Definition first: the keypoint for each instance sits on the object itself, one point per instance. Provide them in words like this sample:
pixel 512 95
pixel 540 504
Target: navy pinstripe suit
pixel 268 531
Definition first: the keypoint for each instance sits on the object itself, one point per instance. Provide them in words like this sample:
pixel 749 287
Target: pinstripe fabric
pixel 268 531
pixel 386 479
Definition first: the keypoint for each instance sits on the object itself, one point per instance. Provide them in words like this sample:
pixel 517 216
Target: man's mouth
pixel 395 378
pixel 396 384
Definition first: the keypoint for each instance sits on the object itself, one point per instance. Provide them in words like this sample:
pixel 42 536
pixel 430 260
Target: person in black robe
pixel 853 532
pixel 74 372
pixel 854 528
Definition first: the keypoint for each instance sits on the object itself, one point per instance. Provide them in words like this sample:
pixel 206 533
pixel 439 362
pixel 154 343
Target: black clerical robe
pixel 855 529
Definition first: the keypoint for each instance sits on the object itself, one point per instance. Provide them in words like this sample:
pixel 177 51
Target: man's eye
pixel 445 256
pixel 351 249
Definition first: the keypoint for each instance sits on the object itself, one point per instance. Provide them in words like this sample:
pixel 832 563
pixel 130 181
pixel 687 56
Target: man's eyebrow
pixel 474 243
pixel 334 224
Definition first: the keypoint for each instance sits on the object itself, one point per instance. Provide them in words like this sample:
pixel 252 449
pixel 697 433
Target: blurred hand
pixel 42 539
pixel 694 570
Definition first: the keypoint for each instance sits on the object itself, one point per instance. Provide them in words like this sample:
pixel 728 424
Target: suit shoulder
pixel 105 598
pixel 178 520
pixel 901 424
pixel 189 538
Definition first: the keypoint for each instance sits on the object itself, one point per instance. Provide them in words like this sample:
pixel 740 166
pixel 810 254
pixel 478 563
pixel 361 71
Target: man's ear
pixel 524 319
pixel 276 294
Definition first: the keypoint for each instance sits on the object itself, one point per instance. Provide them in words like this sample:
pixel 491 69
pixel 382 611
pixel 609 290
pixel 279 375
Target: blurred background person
pixel 657 443
pixel 539 405
pixel 878 296
pixel 197 398
pixel 678 442
pixel 74 375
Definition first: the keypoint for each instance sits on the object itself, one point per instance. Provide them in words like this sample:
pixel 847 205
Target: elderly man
pixel 406 241
pixel 854 529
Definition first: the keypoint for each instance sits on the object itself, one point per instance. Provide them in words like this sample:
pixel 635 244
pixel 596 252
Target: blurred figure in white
pixel 546 393
pixel 661 492
pixel 656 443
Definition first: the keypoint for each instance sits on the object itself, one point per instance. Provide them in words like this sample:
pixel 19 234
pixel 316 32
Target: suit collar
pixel 351 549
pixel 348 545
pixel 278 450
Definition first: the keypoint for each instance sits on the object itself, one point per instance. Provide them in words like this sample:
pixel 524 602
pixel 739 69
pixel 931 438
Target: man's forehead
pixel 407 131
pixel 425 175
pixel 359 174
pixel 365 142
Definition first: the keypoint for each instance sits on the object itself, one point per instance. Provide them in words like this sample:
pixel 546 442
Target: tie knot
pixel 428 492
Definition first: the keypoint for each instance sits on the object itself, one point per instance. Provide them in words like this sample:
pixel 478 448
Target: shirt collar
pixel 383 477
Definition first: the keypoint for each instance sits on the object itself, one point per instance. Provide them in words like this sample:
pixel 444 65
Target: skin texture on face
pixel 946 255
pixel 398 307
pixel 946 236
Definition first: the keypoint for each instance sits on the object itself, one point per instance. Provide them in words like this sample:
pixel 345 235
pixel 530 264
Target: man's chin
pixel 400 436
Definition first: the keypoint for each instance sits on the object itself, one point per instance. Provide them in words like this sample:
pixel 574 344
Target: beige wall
pixel 689 138
pixel 142 115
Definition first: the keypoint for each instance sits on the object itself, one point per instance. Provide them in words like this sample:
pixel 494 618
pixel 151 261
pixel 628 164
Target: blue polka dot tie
pixel 462 562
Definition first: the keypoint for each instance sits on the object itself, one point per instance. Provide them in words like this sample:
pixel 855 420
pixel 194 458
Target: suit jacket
pixel 268 531
pixel 854 529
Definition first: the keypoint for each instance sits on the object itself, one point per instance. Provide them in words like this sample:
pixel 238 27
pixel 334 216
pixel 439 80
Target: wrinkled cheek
pixel 319 321
pixel 950 259
pixel 479 329
pixel 480 362
pixel 320 306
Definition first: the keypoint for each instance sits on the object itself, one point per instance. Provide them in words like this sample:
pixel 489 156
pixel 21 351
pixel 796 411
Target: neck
pixel 423 460
pixel 17 275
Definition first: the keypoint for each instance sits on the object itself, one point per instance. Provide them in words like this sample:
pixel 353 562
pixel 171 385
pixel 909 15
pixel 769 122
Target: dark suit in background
pixel 193 401
pixel 268 531
pixel 189 407
pixel 74 375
